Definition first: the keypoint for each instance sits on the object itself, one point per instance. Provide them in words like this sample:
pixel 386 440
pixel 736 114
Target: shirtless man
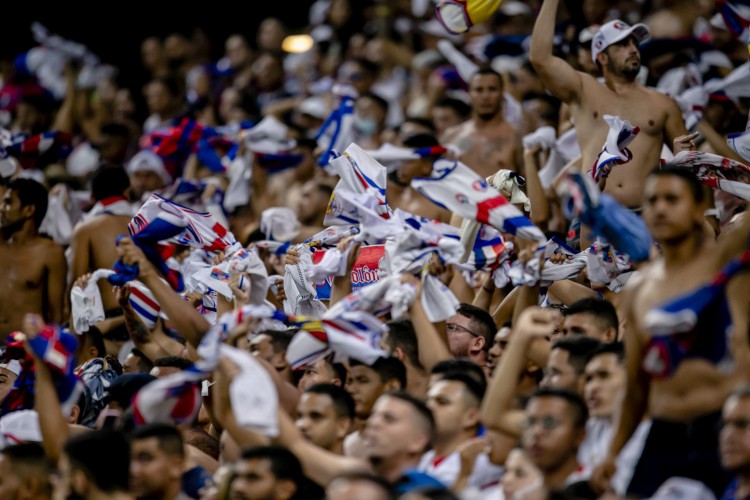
pixel 615 50
pixel 487 142
pixel 685 405
pixel 93 243
pixel 410 200
pixel 32 268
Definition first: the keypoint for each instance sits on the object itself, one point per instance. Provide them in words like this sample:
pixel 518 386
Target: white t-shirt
pixel 447 469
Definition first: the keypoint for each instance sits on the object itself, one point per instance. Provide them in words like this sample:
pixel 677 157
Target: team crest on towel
pixel 218 274
pixel 461 198
pixel 480 185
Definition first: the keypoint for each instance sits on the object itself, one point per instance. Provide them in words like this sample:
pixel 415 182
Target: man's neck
pixel 482 123
pixel 619 84
pixel 338 447
pixel 23 235
pixel 558 477
pixel 393 468
pixel 678 254
pixel 446 446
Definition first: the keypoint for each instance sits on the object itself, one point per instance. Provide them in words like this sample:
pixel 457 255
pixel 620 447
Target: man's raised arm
pixel 558 76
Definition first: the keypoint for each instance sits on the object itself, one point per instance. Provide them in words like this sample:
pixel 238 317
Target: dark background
pixel 114 30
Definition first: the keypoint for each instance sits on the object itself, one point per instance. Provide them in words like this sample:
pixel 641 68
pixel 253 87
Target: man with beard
pixel 470 333
pixel 32 268
pixel 615 50
pixel 487 143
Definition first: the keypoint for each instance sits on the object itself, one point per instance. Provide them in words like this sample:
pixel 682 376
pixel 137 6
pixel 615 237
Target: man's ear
pixel 28 211
pixel 75 412
pixel 285 488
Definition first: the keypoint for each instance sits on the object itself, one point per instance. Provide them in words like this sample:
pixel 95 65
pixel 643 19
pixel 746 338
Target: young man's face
pixel 669 209
pixel 254 479
pixel 559 373
pixel 317 420
pixel 392 430
pixel 623 58
pixel 320 373
pixel 734 440
pixel 486 93
pixel 448 403
pixel 365 387
pixel 585 324
pixel 550 436
pixel 605 384
pixel 151 469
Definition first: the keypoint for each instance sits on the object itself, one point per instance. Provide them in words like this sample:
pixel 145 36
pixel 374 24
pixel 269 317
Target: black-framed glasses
pixel 455 327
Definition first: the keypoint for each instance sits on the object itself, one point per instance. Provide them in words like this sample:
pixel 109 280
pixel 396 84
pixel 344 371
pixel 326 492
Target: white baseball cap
pixel 614 31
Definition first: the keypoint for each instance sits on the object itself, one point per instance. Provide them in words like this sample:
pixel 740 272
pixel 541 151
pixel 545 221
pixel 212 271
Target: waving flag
pixel 608 219
pixel 457 188
pixel 56 348
pixel 29 149
pixel 615 151
pixel 692 325
pixel 359 174
pixel 336 133
pixel 716 171
pixel 160 220
pixel 174 144
pixel 735 21
pixel 349 334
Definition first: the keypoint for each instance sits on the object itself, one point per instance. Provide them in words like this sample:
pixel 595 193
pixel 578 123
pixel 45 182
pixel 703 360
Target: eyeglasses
pixel 547 423
pixel 455 327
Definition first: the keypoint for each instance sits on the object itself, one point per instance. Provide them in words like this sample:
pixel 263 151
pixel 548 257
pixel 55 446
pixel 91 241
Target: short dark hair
pixel 173 362
pixel 576 403
pixel 462 109
pixel 30 192
pixel 401 335
pixel 460 365
pixel 696 188
pixel 388 368
pixel 483 321
pixel 85 453
pixel 424 122
pixel 169 437
pixel 379 101
pixel 472 385
pixel 343 404
pixel 95 337
pixel 280 339
pixel 488 71
pixel 144 363
pixel 109 180
pixel 616 348
pixel 421 141
pixel 324 188
pixel 419 406
pixel 378 481
pixel 603 310
pixel 578 347
pixel 284 463
pixel 29 457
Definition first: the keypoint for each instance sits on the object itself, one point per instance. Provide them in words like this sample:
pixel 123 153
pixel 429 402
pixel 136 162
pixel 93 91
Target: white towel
pixel 279 224
pixel 299 289
pixel 86 303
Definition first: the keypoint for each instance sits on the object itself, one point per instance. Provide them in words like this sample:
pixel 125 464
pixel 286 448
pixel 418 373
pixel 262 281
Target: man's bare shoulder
pixel 100 221
pixel 456 130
